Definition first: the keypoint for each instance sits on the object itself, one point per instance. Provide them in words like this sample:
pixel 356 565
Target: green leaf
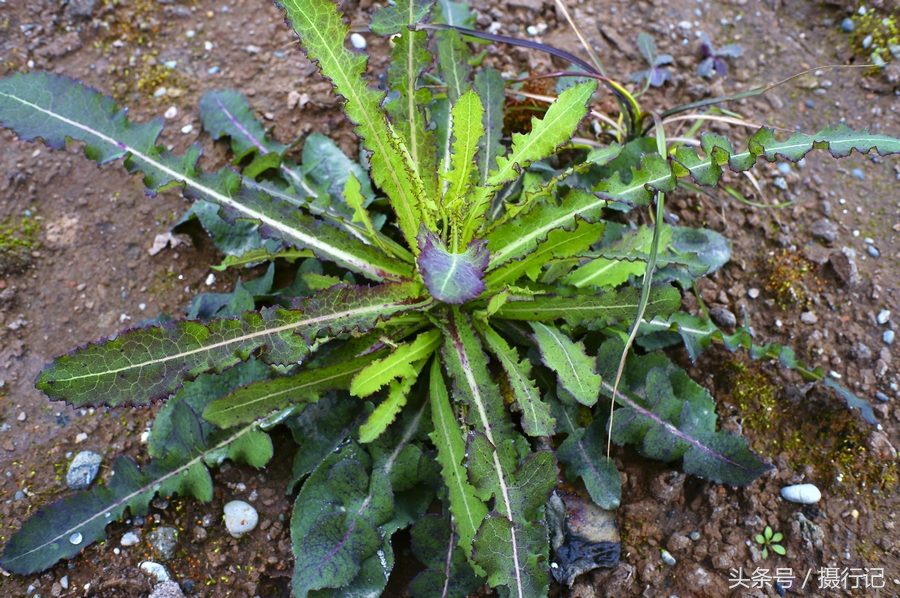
pixel 698 334
pixel 250 402
pixel 490 86
pixel 467 510
pixel 546 136
pixel 448 574
pixel 227 114
pixel 511 554
pixel 559 244
pixel 396 365
pixel 143 365
pixel 467 130
pixel 582 452
pixel 395 18
pixel 665 425
pixel 467 364
pixel 64 528
pixel 575 371
pixel 255 256
pixel 387 410
pixel 593 311
pixel 536 418
pixel 778 549
pixel 319 25
pixel 453 62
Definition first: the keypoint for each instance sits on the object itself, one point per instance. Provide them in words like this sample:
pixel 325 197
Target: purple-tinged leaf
pixel 705 68
pixel 451 277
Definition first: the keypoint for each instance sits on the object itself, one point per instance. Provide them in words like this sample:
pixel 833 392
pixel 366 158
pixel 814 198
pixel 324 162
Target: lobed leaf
pixel 318 23
pixel 490 86
pixel 575 371
pixel 387 410
pixel 511 554
pixel 467 130
pixel 399 364
pixel 448 574
pixel 145 364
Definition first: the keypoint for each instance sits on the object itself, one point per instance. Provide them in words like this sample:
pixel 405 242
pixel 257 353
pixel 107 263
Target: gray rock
pixel 888 337
pixel 824 229
pixel 667 558
pixel 167 589
pixel 844 264
pixel 808 317
pixel 155 571
pixel 130 538
pixel 847 25
pixel 872 251
pixel 883 316
pixel 240 518
pixel 81 9
pixel 163 541
pixel 694 536
pixel 723 317
pixel 882 397
pixel 83 470
pixel 861 352
pixel 858 173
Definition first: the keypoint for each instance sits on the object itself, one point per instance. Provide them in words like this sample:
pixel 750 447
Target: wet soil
pixel 80 270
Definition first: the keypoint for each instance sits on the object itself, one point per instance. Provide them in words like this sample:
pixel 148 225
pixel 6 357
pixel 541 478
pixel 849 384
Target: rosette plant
pixel 464 303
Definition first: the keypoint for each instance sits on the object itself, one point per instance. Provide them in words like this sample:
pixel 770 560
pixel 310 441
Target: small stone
pixel 723 317
pixel 167 589
pixel 824 229
pixel 858 173
pixel 240 518
pixel 694 536
pixel 163 541
pixel 64 582
pixel 210 280
pixel 861 352
pixel 160 92
pixel 847 25
pixel 19 495
pixel 358 41
pixel 207 45
pixel 293 99
pixel 809 104
pixel 872 251
pixel 808 317
pixel 888 337
pixel 171 113
pixel 22 417
pixel 804 494
pixel 155 570
pixel 667 558
pixel 784 168
pixel 200 534
pixel 753 293
pixel 130 538
pixel 882 397
pixel 213 70
pixel 844 264
pixel 83 470
pixel 170 64
pixel 81 437
pixel 883 316
pixel 251 49
pixel 187 129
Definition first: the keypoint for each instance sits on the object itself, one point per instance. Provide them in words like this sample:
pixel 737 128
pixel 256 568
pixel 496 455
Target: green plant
pixel 510 272
pixel 768 540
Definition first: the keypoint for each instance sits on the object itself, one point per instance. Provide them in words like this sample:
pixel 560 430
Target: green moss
pixel 881 31
pixel 17 241
pixel 791 278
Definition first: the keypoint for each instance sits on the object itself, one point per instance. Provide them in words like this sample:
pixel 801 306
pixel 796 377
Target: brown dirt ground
pixel 88 271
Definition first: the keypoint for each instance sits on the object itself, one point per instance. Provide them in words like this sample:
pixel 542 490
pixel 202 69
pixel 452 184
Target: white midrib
pixel 337 254
pixel 266 332
pixel 454 459
pixel 501 479
pixel 564 352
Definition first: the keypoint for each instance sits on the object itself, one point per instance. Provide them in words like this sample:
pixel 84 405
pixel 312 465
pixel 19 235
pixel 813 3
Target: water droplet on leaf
pixel 75 538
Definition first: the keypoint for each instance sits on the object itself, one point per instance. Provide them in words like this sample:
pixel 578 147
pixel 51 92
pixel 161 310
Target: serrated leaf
pixel 227 114
pixel 249 402
pixel 394 18
pixel 582 452
pixel 467 510
pixel 667 426
pixel 546 136
pixel 467 130
pixel 536 418
pixel 559 244
pixel 511 554
pixel 143 365
pixel 318 23
pixel 387 410
pixel 575 371
pixel 399 364
pixel 232 239
pixel 52 106
pixel 593 311
pixel 451 277
pixel 64 528
pixel 490 86
pixel 255 256
pixel 453 62
pixel 698 334
pixel 448 574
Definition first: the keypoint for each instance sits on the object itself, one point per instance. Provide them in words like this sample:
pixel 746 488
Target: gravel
pixel 723 317
pixel 804 494
pixel 155 570
pixel 667 558
pixel 240 518
pixel 847 25
pixel 872 251
pixel 883 316
pixel 824 229
pixel 888 337
pixel 163 541
pixel 167 589
pixel 83 470
pixel 130 538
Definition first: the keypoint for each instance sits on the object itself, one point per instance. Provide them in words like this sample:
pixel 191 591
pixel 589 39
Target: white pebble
pixel 190 33
pixel 358 41
pixel 240 518
pixel 130 539
pixel 883 316
pixel 753 293
pixel 207 46
pixel 171 113
pixel 667 558
pixel 210 280
pixel 187 129
pixel 22 417
pixel 155 570
pixel 80 438
pixel 805 494
pixel 160 92
pixel 142 306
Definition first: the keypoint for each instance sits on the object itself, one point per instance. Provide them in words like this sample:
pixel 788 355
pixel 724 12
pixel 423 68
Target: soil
pixel 80 270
